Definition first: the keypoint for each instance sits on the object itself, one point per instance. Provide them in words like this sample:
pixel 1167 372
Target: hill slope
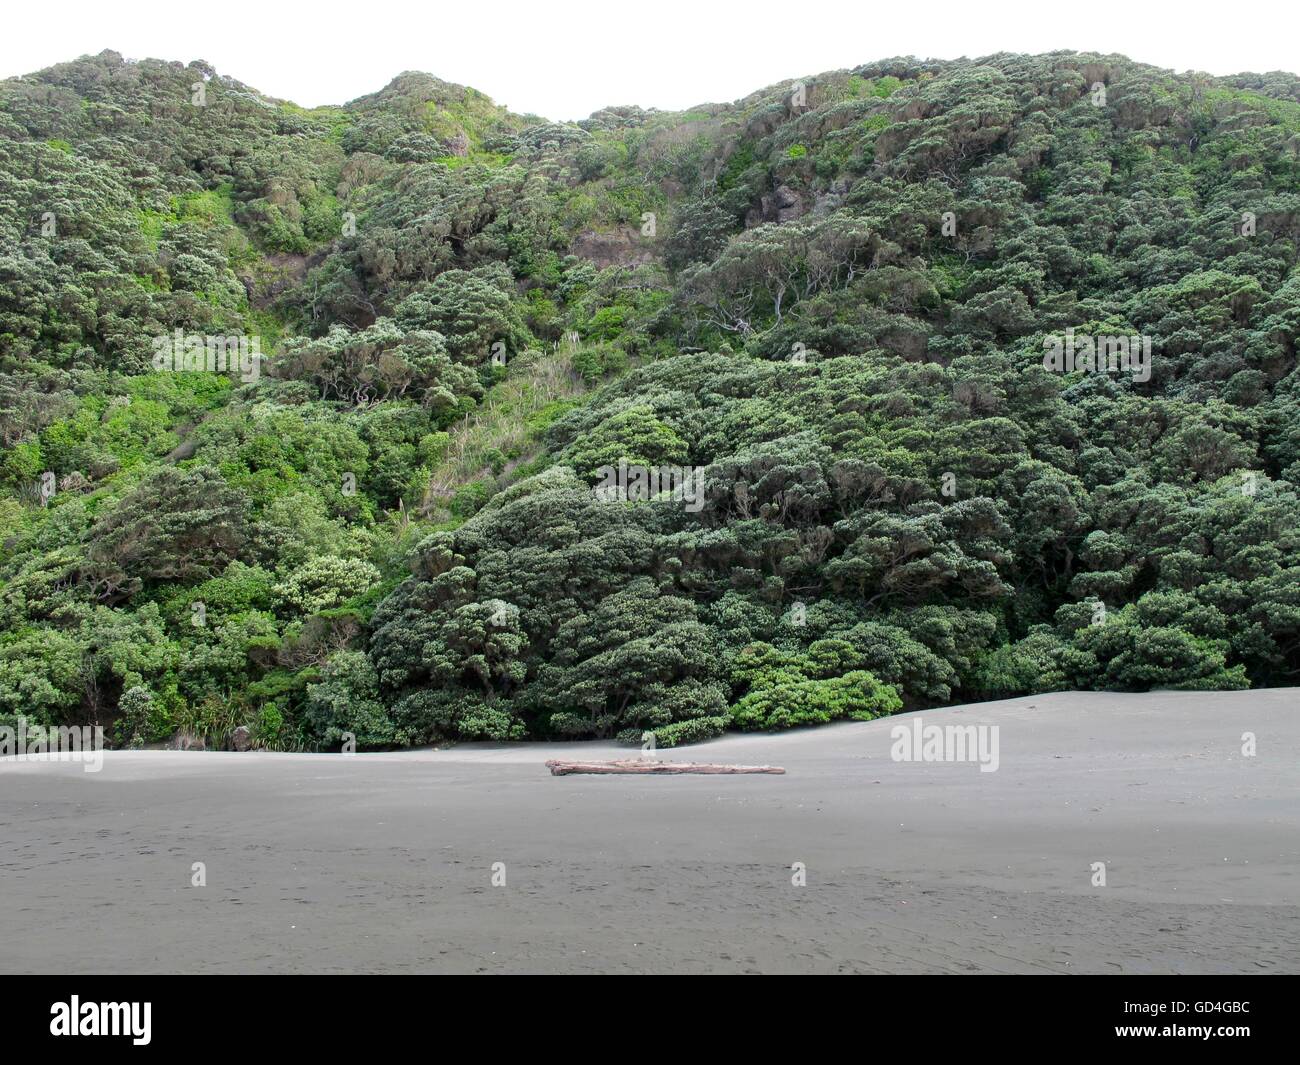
pixel 865 308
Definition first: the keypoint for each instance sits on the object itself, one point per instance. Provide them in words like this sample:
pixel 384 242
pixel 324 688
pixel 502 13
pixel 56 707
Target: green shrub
pixel 857 696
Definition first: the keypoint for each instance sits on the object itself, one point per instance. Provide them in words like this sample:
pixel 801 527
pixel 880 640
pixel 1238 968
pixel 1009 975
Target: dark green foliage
pixel 835 311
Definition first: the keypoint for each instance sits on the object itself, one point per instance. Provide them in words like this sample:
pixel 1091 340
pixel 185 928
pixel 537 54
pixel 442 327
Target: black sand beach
pixel 384 863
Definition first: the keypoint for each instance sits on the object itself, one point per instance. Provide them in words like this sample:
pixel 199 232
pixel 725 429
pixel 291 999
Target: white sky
pixel 566 58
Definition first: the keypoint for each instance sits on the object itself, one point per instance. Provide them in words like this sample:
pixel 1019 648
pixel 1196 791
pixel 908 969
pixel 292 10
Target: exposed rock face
pixel 241 739
pixel 783 205
pixel 766 122
pixel 789 204
pixel 617 247
pixel 831 199
pixel 458 144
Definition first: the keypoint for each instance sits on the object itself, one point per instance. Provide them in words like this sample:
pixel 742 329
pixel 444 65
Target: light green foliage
pixel 821 685
pixel 325 581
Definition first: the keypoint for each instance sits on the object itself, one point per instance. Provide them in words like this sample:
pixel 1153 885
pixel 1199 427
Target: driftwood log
pixel 561 768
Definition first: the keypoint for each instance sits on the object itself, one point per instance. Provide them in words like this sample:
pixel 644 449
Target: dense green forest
pixel 439 324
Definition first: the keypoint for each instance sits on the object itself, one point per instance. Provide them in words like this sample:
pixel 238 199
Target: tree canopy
pixel 832 305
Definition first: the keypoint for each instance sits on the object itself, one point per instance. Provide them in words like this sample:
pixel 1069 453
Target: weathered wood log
pixel 562 768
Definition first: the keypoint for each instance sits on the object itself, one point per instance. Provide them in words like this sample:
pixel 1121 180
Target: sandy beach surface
pixel 385 862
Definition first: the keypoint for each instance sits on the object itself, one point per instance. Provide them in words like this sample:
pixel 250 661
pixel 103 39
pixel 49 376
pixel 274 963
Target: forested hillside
pixel 877 312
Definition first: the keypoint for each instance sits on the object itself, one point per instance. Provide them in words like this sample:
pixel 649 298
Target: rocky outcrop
pixel 457 144
pixel 615 247
pixel 782 205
